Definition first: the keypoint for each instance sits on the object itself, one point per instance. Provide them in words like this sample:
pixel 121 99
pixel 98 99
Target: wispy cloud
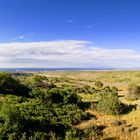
pixel 21 37
pixel 65 53
pixel 88 26
pixel 69 21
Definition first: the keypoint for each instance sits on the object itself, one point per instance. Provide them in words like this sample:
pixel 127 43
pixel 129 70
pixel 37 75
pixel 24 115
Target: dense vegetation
pixel 39 110
pixel 34 107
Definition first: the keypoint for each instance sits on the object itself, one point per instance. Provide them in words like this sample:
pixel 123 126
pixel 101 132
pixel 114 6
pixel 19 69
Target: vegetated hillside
pixel 40 107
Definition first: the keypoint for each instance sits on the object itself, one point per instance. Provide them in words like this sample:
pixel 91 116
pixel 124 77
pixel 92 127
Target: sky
pixel 69 33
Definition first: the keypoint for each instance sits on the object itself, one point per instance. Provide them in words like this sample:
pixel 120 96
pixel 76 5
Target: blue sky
pixel 89 25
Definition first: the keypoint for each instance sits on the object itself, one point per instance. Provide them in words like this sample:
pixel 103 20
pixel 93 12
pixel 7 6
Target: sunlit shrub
pixel 109 104
pixel 133 92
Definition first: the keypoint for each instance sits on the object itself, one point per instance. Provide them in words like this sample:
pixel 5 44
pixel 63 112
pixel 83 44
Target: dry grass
pixel 104 76
pixel 130 129
pixel 88 97
pixel 125 131
pixel 134 119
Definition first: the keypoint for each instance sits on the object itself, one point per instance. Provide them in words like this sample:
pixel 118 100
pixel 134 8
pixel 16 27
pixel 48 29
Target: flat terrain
pixel 104 76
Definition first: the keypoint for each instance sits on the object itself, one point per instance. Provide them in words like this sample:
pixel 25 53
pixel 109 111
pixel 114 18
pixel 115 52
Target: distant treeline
pixel 21 74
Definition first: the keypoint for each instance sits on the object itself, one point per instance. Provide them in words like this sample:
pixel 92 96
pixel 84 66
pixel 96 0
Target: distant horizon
pixel 63 69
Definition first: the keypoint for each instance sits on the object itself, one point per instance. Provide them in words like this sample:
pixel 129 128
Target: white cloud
pixel 65 53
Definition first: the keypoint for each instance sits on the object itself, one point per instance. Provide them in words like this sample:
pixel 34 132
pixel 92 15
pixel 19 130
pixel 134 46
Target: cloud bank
pixel 65 53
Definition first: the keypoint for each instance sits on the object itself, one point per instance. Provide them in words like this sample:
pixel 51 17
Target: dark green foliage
pixel 13 99
pixel 69 114
pixel 70 97
pixel 9 85
pixel 40 93
pixel 133 92
pixel 73 134
pixel 12 120
pixel 32 119
pixel 46 112
pixel 55 96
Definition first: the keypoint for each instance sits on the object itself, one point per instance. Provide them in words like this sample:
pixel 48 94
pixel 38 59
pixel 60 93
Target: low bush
pixel 46 112
pixel 98 84
pixel 133 92
pixel 43 82
pixel 10 85
pixel 109 104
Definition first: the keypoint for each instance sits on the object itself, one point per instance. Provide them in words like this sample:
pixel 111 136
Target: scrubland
pixel 121 80
pixel 70 105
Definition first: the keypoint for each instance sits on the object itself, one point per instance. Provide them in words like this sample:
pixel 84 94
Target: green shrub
pixel 46 112
pixel 68 114
pixel 70 97
pixel 43 82
pixel 55 96
pixel 13 121
pixel 13 99
pixel 38 136
pixel 109 104
pixel 73 134
pixel 39 93
pixel 10 85
pixel 86 89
